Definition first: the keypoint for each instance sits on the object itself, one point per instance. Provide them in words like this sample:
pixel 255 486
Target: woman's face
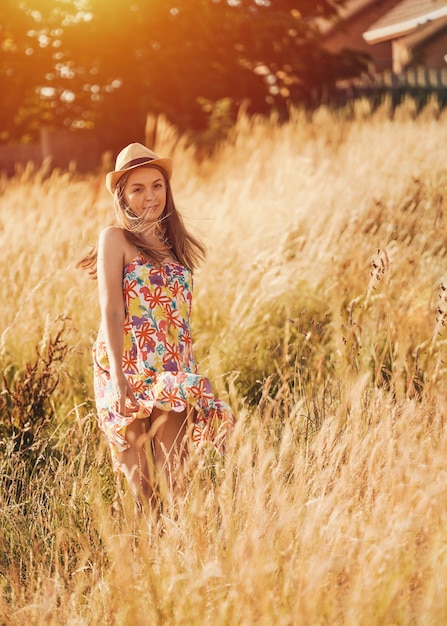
pixel 145 192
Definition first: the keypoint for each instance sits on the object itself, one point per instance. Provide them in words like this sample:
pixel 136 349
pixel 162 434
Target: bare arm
pixel 111 249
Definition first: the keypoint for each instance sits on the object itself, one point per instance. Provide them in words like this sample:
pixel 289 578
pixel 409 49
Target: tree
pixel 106 68
pixel 23 63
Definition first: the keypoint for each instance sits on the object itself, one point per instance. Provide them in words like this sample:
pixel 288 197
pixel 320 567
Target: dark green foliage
pixel 291 351
pixel 107 66
pixel 25 400
pixel 43 507
pixel 45 465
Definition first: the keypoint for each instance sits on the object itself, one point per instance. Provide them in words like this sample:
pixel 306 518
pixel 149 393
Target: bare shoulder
pixel 111 251
pixel 112 235
pixel 114 244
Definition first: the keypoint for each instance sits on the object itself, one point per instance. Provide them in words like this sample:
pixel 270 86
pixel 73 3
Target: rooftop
pixel 405 17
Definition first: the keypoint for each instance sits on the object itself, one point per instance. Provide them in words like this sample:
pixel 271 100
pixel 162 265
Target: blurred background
pixel 80 77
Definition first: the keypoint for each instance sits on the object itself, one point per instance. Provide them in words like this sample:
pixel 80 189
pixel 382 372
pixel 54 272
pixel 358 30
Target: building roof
pixel 345 12
pixel 352 7
pixel 405 17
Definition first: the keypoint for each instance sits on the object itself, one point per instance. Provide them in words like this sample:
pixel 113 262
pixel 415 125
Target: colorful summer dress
pixel 158 358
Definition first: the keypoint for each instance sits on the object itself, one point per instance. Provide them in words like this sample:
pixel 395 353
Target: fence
pixel 84 151
pixel 418 82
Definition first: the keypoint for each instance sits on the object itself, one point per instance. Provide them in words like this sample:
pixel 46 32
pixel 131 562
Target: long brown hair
pixel 174 237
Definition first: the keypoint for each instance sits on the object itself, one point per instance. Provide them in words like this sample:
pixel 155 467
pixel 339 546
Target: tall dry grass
pixel 320 315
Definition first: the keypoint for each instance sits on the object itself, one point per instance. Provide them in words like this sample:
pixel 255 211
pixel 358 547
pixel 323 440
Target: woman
pixel 147 387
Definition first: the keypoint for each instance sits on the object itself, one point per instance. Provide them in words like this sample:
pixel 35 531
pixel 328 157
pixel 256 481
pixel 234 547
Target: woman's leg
pixel 135 461
pixel 169 430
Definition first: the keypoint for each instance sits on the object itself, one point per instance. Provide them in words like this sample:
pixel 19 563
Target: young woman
pixel 150 399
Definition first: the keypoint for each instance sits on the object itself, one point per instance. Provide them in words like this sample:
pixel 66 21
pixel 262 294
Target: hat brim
pixel 112 178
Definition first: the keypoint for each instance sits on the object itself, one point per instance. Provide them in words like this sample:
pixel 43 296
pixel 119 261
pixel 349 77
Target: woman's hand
pixel 123 391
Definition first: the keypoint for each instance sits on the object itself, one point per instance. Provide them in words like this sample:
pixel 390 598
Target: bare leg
pixel 135 462
pixel 169 431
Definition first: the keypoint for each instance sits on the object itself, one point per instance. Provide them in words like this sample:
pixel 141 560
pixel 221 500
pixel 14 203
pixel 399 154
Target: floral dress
pixel 158 359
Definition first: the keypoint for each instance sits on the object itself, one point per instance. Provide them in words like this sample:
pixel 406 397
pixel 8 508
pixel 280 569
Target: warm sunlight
pixel 223 313
pixel 321 315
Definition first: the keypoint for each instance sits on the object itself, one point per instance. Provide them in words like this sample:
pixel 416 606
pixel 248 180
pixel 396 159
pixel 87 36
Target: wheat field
pixel 319 315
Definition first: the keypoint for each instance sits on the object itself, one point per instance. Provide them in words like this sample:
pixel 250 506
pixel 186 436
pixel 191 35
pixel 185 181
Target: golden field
pixel 319 315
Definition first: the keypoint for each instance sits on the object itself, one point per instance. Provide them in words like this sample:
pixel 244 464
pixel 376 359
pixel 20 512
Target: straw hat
pixel 132 156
